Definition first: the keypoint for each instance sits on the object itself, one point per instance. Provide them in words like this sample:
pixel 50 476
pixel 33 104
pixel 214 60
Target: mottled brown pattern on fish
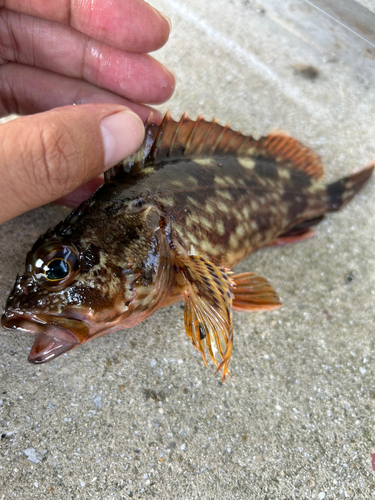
pixel 228 211
pixel 167 225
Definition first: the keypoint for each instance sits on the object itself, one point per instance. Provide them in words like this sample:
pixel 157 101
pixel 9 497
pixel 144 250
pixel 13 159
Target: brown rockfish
pixel 167 225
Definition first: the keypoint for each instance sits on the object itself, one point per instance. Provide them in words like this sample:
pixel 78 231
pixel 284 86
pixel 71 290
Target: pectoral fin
pixel 208 310
pixel 253 293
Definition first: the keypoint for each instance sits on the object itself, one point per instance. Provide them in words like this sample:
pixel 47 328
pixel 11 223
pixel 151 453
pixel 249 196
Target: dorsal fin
pixel 286 149
pixel 199 138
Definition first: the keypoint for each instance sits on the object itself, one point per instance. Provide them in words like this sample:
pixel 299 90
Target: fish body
pixel 168 224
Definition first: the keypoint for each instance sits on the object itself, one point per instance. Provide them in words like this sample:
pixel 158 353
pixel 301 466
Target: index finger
pixel 131 25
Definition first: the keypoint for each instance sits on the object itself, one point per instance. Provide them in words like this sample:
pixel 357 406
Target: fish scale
pixel 167 225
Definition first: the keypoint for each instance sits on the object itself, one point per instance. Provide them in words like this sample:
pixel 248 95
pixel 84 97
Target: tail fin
pixel 342 191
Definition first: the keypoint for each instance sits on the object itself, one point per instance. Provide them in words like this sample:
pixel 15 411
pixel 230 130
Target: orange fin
pixel 286 150
pixel 253 293
pixel 199 138
pixel 208 311
pixel 300 232
pixel 287 239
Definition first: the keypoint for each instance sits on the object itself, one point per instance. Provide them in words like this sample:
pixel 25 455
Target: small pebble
pixel 98 402
pixel 32 455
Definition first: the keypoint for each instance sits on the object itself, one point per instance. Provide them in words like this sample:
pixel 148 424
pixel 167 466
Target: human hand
pixel 58 53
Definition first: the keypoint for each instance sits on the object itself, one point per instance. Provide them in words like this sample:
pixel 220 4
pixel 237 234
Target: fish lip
pixel 56 334
pixel 16 320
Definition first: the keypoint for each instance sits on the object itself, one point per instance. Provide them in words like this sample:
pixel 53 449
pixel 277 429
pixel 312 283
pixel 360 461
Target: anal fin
pixel 253 293
pixel 286 239
pixel 300 232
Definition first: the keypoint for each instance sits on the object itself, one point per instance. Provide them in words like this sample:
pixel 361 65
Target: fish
pixel 169 224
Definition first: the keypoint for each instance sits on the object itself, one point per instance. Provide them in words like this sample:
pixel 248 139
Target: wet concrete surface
pixel 136 414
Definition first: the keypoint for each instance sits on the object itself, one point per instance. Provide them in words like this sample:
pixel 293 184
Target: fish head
pixel 78 286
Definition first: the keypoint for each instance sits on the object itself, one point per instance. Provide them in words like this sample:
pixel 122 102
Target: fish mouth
pixel 55 334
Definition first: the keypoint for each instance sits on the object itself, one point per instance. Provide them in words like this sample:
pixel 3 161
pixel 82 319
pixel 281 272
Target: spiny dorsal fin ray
pixel 199 138
pixel 208 311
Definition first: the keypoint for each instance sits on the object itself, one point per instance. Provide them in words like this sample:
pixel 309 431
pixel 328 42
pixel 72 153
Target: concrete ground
pixel 136 414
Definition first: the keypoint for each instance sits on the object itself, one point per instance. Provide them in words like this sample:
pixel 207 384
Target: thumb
pixel 48 155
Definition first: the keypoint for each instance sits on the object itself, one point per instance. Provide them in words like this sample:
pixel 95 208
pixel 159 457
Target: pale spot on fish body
pixel 204 161
pixel 257 237
pixel 205 223
pixel 316 187
pixel 225 194
pixel 193 201
pixel 177 183
pixel 190 221
pixel 168 202
pixel 264 181
pixel 209 248
pixel 273 209
pixel 233 242
pixel 210 207
pixel 276 196
pixel 192 179
pixel 247 162
pixel 254 205
pixel 279 159
pixel 283 173
pixel 240 231
pixel 220 180
pixel 223 207
pixel 245 212
pixel 179 230
pixel 283 209
pixel 262 200
pixel 193 239
pixel 220 228
pixel 229 180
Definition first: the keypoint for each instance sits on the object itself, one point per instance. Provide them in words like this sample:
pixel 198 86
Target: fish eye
pixel 57 270
pixel 55 265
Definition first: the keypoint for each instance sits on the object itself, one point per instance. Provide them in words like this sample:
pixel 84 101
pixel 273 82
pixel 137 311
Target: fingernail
pixel 175 76
pixel 169 82
pixel 123 134
pixel 167 19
